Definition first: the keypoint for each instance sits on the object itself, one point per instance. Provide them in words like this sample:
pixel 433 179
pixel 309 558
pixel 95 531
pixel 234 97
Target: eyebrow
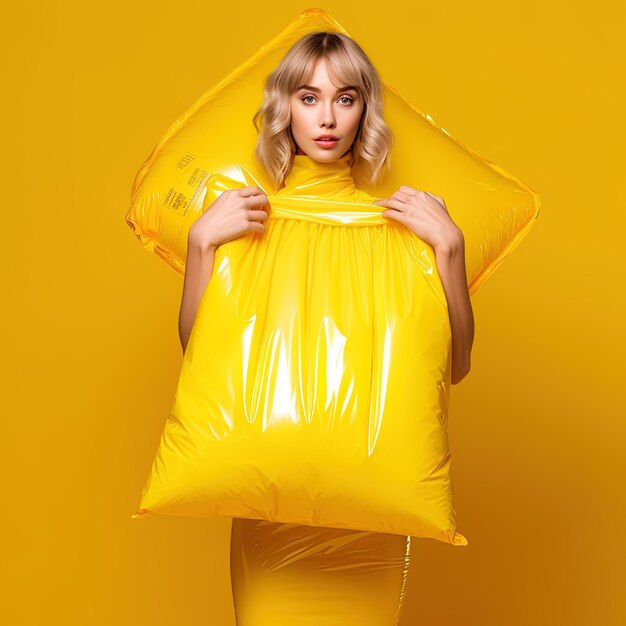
pixel 317 90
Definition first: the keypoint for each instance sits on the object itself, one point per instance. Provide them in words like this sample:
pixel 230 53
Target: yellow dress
pixel 293 575
pixel 297 575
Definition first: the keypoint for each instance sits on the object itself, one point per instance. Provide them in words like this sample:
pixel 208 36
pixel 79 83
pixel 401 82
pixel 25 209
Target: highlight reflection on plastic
pixel 314 388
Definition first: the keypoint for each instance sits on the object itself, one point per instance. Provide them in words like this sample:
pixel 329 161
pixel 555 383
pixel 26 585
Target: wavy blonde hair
pixel 348 65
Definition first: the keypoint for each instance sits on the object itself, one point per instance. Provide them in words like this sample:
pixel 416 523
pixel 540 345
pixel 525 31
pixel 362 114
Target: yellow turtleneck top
pixel 325 192
pixel 320 179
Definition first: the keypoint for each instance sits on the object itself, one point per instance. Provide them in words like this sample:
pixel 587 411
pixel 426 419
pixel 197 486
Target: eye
pixel 350 100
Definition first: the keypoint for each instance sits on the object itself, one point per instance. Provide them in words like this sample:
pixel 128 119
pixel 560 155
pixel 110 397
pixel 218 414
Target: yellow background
pixel 90 345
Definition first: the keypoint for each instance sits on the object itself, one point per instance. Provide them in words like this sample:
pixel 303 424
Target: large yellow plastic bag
pixel 215 137
pixel 315 391
pixel 314 387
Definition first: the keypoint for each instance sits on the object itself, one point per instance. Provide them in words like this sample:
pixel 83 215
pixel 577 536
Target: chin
pixel 334 151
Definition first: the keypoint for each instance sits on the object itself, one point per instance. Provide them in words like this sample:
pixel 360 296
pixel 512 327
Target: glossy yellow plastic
pixel 286 574
pixel 213 143
pixel 314 388
pixel 315 385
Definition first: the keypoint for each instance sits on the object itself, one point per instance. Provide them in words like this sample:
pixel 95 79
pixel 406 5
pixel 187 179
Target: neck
pixel 312 178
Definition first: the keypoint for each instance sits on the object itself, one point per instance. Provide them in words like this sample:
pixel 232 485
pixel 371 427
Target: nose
pixel 328 119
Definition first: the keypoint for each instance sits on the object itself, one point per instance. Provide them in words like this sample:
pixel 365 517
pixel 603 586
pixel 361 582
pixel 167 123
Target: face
pixel 322 108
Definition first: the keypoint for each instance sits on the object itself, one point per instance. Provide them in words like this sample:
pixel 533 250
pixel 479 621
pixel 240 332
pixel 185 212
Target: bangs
pixel 341 69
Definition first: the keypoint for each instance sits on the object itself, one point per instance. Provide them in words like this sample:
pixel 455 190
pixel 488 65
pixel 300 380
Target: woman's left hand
pixel 424 213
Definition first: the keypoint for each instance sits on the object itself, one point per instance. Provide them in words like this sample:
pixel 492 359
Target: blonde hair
pixel 348 65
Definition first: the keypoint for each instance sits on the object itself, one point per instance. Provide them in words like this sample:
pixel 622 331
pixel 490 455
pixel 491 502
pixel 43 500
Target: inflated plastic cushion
pixel 315 384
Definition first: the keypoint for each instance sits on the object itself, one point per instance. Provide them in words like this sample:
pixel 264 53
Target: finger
pixel 252 190
pixel 258 227
pixel 256 201
pixel 411 191
pixel 394 215
pixel 403 196
pixel 393 203
pixel 256 216
pixel 438 198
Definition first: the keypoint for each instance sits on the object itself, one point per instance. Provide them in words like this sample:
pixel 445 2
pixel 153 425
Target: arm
pixel 198 272
pixel 232 214
pixel 451 266
pixel 427 216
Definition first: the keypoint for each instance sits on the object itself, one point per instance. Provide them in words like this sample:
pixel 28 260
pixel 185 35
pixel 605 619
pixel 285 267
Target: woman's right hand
pixel 234 213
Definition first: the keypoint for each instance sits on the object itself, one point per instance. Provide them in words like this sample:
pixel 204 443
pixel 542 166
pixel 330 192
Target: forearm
pixel 198 272
pixel 451 267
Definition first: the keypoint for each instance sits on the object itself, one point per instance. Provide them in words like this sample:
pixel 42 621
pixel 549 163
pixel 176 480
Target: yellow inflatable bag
pixel 314 387
pixel 215 138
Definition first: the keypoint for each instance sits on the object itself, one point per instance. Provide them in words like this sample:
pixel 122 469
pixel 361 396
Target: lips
pixel 327 144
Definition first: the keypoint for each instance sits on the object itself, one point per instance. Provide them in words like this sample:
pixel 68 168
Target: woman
pixel 322 125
